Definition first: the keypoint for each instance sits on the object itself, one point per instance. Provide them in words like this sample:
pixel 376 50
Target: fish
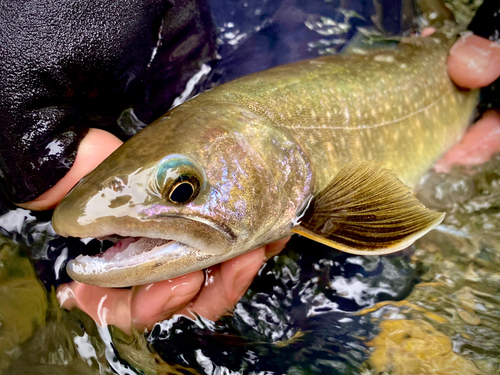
pixel 328 148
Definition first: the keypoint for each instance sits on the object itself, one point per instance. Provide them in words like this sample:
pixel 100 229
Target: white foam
pixel 13 220
pixel 204 70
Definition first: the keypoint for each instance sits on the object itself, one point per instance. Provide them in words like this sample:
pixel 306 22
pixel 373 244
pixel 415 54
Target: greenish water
pixel 458 296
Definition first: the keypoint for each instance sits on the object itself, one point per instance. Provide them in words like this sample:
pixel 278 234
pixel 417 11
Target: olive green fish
pixel 321 147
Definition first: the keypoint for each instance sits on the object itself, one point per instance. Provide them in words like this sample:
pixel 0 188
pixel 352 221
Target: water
pixel 433 308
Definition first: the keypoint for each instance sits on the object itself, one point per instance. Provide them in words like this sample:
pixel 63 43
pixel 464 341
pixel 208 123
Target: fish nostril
pixel 118 184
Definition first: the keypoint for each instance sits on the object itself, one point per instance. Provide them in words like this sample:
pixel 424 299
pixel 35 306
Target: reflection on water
pixel 415 347
pixel 433 308
pixel 23 304
pixel 459 291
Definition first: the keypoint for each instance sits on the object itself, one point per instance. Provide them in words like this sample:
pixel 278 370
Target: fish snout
pixel 205 236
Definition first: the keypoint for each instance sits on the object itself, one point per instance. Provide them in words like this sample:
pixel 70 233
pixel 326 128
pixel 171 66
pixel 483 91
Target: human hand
pixel 211 293
pixel 474 62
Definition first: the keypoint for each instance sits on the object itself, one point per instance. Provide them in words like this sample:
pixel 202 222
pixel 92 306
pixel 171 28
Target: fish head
pixel 194 183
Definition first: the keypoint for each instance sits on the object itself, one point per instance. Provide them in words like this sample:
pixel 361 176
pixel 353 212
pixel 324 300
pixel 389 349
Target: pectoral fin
pixel 366 210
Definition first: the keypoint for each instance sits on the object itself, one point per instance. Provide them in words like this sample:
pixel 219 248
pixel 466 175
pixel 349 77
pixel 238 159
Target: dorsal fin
pixel 366 210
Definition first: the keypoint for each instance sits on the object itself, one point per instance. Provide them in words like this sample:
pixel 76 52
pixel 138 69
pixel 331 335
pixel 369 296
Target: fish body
pixel 237 167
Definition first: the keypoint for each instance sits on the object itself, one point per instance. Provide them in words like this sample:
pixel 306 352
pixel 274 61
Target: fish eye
pixel 177 179
pixel 181 192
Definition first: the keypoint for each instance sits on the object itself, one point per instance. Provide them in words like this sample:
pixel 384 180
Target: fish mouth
pixel 137 261
pixel 149 250
pixel 125 252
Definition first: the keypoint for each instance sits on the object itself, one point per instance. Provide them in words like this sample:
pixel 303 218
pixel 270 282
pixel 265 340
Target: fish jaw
pixel 147 262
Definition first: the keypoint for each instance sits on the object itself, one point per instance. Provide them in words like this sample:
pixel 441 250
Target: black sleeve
pixel 486 23
pixel 66 65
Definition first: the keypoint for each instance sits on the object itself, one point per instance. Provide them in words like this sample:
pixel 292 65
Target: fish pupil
pixel 182 192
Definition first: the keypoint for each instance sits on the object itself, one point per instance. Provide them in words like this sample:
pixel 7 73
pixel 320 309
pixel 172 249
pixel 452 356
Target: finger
pixel 237 274
pixel 96 146
pixel 474 62
pixel 225 284
pixel 427 31
pixel 274 248
pixel 477 146
pixel 158 301
pixel 155 302
pixel 107 306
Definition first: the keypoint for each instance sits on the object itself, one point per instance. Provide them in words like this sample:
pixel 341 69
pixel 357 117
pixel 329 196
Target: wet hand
pixel 474 62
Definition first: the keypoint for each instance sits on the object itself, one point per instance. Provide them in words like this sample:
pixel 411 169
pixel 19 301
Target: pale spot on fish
pixel 359 51
pixel 316 62
pixel 384 58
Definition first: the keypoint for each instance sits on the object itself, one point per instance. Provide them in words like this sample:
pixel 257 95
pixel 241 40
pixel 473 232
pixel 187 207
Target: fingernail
pixel 472 56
